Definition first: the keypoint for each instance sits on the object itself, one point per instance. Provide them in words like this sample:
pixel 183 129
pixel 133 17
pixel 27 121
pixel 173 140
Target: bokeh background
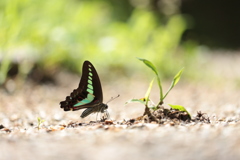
pixel 41 38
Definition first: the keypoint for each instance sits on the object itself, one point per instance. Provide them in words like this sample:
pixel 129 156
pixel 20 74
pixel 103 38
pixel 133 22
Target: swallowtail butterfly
pixel 88 94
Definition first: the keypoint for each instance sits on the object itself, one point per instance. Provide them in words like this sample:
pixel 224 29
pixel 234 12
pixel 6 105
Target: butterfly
pixel 88 94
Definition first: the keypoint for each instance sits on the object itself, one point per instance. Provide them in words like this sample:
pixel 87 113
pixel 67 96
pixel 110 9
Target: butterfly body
pixel 88 94
pixel 99 108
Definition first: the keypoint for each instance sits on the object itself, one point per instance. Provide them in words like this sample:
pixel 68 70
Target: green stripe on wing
pixel 89 99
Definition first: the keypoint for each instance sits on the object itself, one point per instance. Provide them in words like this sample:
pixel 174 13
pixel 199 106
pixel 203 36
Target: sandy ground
pixel 21 139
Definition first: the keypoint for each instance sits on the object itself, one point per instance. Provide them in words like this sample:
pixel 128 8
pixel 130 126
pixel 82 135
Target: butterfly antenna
pixel 113 98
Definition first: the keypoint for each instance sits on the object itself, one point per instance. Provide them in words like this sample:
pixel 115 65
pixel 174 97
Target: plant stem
pixel 149 114
pixel 160 88
pixel 160 103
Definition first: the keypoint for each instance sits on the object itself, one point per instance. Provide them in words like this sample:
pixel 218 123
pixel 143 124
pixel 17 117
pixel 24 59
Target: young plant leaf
pixel 145 99
pixel 148 92
pixel 40 121
pixel 177 77
pixel 174 81
pixel 180 108
pixel 142 100
pixel 150 65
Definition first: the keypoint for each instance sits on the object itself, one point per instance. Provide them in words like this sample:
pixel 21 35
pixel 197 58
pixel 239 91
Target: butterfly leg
pixel 107 114
pixel 97 116
pixel 102 118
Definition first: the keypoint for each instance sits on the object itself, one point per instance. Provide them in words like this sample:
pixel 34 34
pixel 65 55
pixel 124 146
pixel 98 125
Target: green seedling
pixel 40 121
pixel 174 82
pixel 162 96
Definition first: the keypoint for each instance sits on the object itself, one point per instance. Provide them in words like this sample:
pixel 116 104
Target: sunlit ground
pixel 218 98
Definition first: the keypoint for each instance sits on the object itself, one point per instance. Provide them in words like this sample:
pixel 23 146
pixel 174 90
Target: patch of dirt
pixel 170 116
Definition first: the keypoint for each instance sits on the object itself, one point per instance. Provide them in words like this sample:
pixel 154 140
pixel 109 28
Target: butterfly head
pixel 104 107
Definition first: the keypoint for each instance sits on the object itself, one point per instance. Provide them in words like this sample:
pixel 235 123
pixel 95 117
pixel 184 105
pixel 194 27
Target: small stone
pixel 1 126
pixel 172 124
pixel 108 122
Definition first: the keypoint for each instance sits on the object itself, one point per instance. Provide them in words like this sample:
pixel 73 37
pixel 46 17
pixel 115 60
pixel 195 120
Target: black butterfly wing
pixel 97 87
pixel 89 92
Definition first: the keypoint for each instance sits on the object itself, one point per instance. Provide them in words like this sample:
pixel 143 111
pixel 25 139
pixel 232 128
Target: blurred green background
pixel 45 37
